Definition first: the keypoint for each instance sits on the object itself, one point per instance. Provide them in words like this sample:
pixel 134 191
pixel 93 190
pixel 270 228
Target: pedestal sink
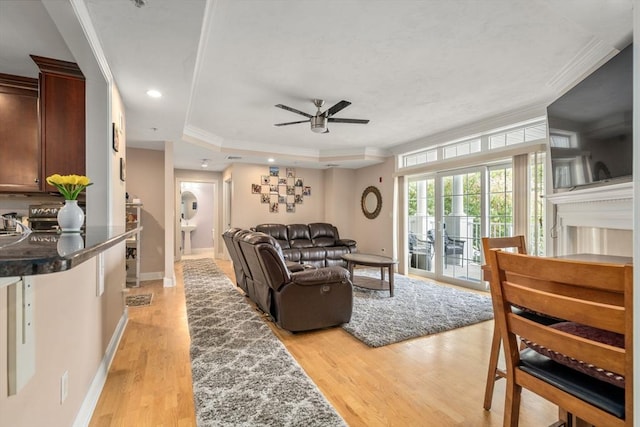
pixel 186 230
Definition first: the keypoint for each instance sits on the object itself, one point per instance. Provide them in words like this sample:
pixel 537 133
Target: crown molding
pixel 530 113
pixel 590 57
pixel 82 14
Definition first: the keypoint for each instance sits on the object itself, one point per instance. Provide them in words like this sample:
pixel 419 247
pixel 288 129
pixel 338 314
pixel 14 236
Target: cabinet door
pixel 63 125
pixel 62 118
pixel 19 136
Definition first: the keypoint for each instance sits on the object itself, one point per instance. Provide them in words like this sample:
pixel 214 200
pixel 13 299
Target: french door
pixel 448 214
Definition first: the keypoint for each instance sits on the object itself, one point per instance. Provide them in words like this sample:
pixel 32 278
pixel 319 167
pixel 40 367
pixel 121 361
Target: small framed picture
pixel 115 131
pixel 273 204
pixel 256 188
pixel 123 172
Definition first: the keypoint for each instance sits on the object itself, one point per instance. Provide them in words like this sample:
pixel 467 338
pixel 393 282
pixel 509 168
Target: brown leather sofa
pixel 317 244
pixel 313 298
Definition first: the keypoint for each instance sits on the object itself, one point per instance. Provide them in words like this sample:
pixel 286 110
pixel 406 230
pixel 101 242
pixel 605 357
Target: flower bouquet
pixel 69 185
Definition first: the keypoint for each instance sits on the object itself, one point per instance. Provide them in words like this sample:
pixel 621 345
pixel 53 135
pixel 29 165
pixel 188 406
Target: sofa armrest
pixel 293 266
pixel 320 276
pixel 345 242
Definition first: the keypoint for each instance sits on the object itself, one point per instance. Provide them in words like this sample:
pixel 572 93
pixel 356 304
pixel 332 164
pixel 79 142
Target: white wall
pixel 373 235
pixel 145 175
pixel 247 210
pixel 339 197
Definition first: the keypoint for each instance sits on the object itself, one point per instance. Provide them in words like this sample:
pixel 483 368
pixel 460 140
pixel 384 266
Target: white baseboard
pixel 201 250
pixel 154 275
pixel 95 389
pixel 169 281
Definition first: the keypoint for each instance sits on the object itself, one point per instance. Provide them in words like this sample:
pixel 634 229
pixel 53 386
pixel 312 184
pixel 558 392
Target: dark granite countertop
pixel 42 253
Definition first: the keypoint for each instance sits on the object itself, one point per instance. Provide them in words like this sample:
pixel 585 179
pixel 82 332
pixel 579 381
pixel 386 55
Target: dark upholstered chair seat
pixel 598 393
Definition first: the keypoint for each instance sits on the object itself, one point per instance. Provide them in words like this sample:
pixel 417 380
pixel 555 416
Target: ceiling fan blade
pixel 357 121
pixel 293 110
pixel 339 106
pixel 291 123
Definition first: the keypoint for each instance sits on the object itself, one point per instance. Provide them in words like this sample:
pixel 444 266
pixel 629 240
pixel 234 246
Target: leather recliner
pixel 241 279
pixel 298 301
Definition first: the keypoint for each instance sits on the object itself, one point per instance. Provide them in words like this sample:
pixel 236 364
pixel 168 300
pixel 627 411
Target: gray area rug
pixel 417 308
pixel 242 374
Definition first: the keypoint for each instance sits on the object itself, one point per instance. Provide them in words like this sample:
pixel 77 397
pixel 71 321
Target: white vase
pixel 70 217
pixel 69 243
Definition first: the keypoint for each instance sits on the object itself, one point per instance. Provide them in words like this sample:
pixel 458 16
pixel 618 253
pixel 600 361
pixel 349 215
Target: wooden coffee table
pixel 371 261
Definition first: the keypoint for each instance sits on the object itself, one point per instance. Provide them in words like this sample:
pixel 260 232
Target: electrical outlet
pixel 64 386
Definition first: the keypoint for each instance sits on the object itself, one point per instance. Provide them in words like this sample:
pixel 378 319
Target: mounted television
pixel 591 126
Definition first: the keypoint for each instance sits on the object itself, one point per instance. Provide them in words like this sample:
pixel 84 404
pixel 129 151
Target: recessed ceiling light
pixel 271 160
pixel 205 163
pixel 154 93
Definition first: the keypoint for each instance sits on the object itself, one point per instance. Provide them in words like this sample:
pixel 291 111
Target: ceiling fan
pixel 320 119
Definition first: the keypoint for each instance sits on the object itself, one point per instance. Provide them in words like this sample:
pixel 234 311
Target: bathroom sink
pixel 186 245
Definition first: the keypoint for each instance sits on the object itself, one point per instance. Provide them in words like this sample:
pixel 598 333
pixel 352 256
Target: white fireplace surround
pixel 598 211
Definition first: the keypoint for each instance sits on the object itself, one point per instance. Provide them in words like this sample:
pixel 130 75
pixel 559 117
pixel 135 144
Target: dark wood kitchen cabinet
pixel 62 118
pixel 42 126
pixel 19 135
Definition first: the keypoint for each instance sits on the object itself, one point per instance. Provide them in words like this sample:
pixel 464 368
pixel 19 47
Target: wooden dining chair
pixel 516 243
pixel 584 364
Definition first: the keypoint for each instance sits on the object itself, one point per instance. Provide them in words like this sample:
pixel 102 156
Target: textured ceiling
pixel 413 68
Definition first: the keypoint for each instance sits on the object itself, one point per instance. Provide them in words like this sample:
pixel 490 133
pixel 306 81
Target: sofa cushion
pixel 299 236
pixel 588 332
pixel 313 256
pixel 291 254
pixel 277 231
pixel 323 234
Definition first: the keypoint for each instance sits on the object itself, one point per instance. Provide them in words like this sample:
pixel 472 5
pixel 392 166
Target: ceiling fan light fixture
pixel 319 124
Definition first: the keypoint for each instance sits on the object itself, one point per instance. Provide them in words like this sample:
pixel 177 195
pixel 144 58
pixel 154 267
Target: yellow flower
pixel 69 185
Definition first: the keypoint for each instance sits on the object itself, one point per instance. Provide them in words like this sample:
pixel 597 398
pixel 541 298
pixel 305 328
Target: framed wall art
pixel 123 172
pixel 287 190
pixel 115 137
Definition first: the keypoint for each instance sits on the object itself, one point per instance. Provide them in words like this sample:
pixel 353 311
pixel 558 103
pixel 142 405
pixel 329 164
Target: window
pixel 461 148
pixel 420 158
pixel 519 134
pixel 500 201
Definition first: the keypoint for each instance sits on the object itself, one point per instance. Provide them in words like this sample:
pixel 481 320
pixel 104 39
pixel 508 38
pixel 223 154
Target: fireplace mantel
pixel 604 193
pixel 607 207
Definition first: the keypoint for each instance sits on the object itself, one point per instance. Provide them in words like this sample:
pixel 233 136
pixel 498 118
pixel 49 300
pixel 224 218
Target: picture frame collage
pixel 277 190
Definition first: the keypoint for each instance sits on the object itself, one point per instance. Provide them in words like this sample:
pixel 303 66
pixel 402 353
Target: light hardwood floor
pixel 429 381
